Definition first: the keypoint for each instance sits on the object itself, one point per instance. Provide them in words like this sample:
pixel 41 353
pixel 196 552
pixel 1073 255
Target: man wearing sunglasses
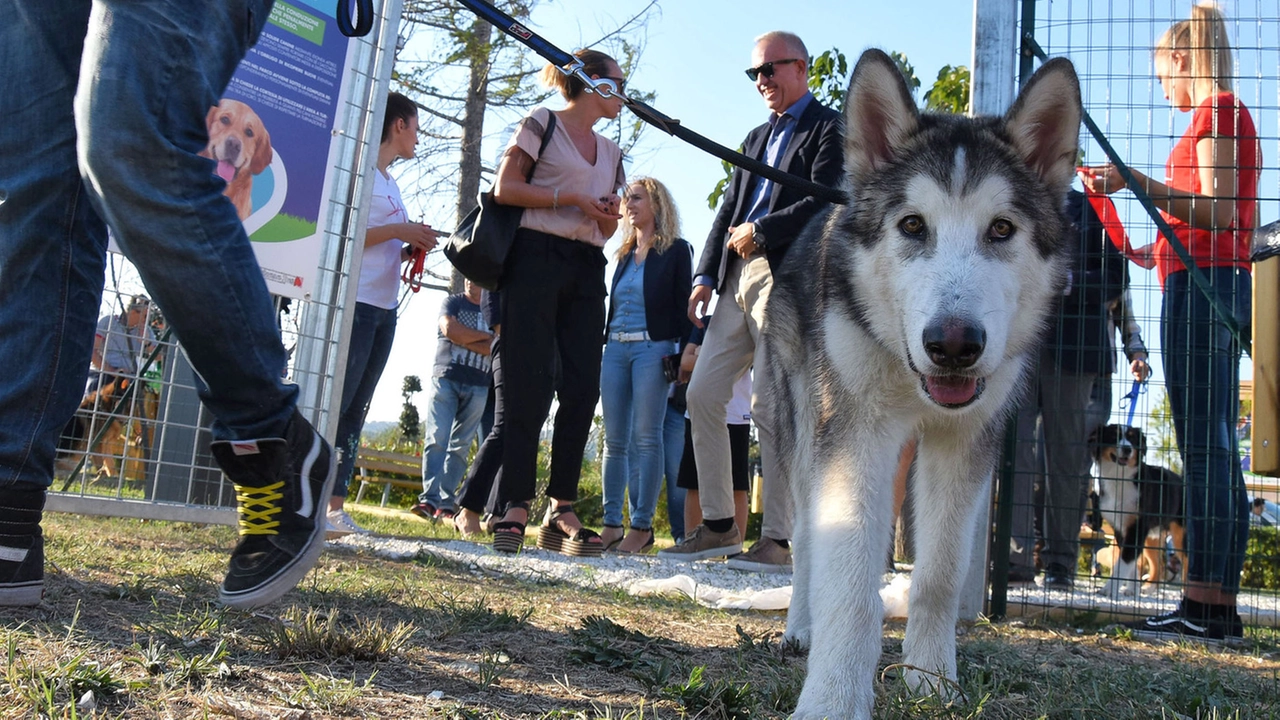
pixel 756 223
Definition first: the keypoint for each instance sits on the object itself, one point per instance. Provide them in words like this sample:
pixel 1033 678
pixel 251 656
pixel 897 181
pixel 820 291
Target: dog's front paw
pixel 922 682
pixel 796 638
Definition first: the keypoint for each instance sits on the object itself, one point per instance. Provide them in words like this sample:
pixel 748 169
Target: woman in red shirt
pixel 1209 200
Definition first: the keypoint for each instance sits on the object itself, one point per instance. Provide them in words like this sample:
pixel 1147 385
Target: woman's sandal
pixel 643 549
pixel 577 544
pixel 508 536
pixel 609 546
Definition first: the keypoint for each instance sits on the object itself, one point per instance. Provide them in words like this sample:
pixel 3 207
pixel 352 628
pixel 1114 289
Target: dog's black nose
pixel 954 343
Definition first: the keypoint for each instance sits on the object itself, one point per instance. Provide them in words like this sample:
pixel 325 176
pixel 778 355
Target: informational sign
pixel 272 138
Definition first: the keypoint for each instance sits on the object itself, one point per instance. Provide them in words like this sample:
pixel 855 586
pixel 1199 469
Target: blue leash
pixel 1131 399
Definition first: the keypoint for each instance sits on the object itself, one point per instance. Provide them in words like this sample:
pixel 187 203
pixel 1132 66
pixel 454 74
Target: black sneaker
pixel 1232 627
pixel 282 488
pixel 21 545
pixel 1189 622
pixel 1059 577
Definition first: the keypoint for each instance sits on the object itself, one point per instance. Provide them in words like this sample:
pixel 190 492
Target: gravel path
pixel 708 582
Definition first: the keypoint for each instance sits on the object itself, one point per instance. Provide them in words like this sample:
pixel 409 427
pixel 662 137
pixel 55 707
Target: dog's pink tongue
pixel 951 389
pixel 226 170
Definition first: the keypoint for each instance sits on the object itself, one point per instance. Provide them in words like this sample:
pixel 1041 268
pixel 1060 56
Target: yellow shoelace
pixel 258 508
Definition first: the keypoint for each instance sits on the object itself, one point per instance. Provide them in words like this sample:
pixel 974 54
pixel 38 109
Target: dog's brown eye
pixel 912 225
pixel 248 132
pixel 1000 229
pixel 224 120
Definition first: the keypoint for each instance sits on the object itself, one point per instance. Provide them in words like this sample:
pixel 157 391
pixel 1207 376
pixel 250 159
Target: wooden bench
pixel 380 467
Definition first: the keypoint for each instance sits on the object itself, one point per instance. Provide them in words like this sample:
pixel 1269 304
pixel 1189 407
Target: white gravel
pixel 708 582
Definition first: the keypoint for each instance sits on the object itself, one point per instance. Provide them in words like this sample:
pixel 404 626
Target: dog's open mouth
pixel 226 170
pixel 952 391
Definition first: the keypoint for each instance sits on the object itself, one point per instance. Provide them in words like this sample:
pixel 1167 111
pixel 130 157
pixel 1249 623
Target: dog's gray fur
pixel 913 311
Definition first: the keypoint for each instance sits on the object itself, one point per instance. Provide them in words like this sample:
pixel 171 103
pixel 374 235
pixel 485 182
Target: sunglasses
pixel 767 69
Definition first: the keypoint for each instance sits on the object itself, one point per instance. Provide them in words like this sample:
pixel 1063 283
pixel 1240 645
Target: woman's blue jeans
pixel 633 392
pixel 1202 370
pixel 102 117
pixel 373 330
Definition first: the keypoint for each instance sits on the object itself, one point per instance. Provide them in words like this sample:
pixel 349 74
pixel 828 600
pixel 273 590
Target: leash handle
pixel 414 269
pixel 364 18
pixel 1131 399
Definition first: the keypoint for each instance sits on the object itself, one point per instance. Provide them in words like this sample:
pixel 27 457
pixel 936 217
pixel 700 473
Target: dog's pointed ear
pixel 1044 123
pixel 879 113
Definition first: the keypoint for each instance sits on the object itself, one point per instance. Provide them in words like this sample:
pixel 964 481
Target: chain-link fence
pixel 1097 461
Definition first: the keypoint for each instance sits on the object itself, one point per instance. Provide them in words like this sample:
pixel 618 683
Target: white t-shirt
pixel 380 268
pixel 738 411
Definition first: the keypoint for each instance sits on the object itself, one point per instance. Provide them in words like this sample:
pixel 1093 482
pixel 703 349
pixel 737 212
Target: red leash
pixel 1106 212
pixel 414 269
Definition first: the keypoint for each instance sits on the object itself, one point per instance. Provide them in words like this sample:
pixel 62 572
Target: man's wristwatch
pixel 757 236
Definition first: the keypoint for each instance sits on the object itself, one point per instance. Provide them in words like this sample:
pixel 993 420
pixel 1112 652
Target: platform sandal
pixel 576 544
pixel 508 535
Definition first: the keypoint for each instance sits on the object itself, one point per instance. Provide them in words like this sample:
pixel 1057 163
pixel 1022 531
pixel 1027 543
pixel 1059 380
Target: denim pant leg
pixel 673 452
pixel 1202 362
pixel 649 389
pixel 466 418
pixel 444 405
pixel 615 401
pixel 52 242
pixel 373 330
pixel 151 70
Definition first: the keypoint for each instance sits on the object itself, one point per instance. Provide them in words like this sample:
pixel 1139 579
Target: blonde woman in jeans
pixel 647 321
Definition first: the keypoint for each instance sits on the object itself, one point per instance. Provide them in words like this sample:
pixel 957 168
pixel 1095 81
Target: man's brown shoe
pixel 702 543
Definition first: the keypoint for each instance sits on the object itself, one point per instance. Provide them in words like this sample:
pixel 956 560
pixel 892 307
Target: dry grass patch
pixel 130 629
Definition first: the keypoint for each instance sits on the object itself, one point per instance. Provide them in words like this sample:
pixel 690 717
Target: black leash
pixel 571 65
pixel 364 18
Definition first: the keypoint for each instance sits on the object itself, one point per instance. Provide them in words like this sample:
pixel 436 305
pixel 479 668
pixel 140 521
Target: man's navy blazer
pixel 668 281
pixel 815 152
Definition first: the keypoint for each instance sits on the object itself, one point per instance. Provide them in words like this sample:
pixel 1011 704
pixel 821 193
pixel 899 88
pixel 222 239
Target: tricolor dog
pixel 1140 501
pixel 913 311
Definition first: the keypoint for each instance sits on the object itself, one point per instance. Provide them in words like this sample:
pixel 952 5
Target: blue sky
pixel 693 58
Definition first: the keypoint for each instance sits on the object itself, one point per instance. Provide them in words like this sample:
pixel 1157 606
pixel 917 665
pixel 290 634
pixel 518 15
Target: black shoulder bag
pixel 479 247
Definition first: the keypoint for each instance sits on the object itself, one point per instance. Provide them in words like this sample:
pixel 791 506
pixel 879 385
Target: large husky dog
pixel 913 311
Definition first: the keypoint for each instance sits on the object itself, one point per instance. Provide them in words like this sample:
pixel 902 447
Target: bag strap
pixel 546 140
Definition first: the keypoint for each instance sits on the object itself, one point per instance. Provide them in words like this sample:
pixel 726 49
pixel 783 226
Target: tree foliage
pixel 410 422
pixel 950 92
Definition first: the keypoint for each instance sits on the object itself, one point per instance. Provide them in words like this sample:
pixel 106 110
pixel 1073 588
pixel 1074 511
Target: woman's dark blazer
pixel 668 282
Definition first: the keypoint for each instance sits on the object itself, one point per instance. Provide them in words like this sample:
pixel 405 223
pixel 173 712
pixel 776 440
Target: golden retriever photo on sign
pixel 241 145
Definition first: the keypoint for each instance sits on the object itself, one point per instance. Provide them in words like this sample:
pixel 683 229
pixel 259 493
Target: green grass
pixel 130 621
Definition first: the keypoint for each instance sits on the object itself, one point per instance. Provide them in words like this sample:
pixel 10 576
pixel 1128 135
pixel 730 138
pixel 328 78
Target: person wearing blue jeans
pixel 459 392
pixel 1210 201
pixel 646 323
pixel 389 241
pixel 102 119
